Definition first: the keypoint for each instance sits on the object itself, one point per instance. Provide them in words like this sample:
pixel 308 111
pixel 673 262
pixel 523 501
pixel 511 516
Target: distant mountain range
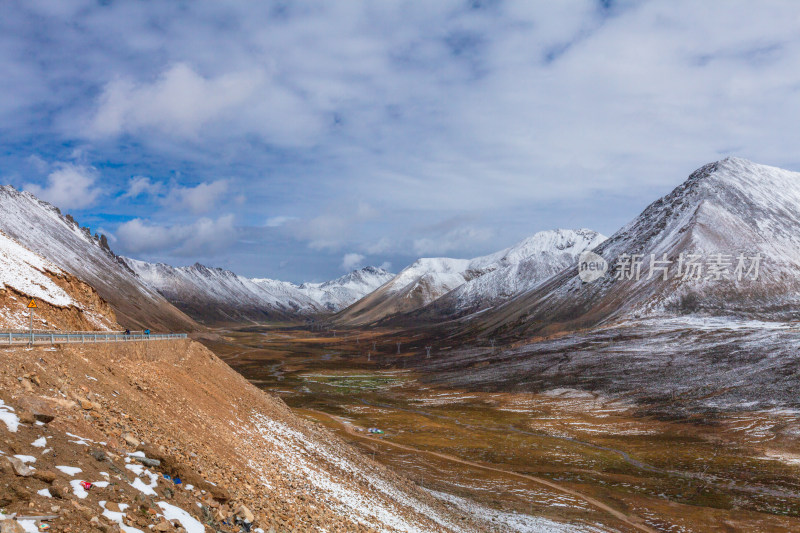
pixel 215 295
pixel 732 225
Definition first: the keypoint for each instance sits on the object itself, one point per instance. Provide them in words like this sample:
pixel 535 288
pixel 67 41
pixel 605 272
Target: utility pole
pixel 398 348
pixel 373 345
pixel 428 352
pixel 368 355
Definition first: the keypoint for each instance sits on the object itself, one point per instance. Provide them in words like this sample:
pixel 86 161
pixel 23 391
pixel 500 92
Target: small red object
pixel 86 485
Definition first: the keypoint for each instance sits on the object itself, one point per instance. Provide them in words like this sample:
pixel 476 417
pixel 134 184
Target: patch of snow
pixel 71 471
pixel 45 493
pixel 41 442
pixel 189 523
pixel 29 526
pixel 511 522
pixel 26 458
pixel 77 489
pixel 8 417
pixel 143 487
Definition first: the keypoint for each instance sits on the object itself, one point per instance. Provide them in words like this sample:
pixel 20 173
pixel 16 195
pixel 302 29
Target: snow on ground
pixel 303 459
pixel 8 417
pixel 189 523
pixel 41 442
pixel 69 470
pixel 512 522
pixel 28 526
pixel 118 517
pixel 139 484
pixel 26 272
pixel 77 489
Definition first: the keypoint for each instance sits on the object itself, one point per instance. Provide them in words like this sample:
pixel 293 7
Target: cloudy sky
pixel 297 140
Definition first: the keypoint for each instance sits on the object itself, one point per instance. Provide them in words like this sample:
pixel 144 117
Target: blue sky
pixel 296 140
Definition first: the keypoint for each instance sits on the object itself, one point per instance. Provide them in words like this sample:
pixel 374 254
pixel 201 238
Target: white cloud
pixel 460 238
pixel 203 237
pixel 139 185
pixel 276 222
pixel 69 186
pixel 352 261
pixel 386 265
pixel 182 103
pixel 382 245
pixel 199 199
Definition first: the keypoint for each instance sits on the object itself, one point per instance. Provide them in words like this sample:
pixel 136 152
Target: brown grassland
pixel 567 455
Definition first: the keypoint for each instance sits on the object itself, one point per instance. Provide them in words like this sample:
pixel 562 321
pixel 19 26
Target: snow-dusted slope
pixel 61 299
pixel 40 227
pixel 26 272
pixel 520 268
pixel 341 292
pixel 422 282
pixel 444 287
pixel 725 212
pixel 218 295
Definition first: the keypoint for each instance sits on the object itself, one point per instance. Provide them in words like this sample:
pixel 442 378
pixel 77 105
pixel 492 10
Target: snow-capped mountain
pixel 445 286
pixel 216 295
pixel 727 241
pixel 41 228
pixel 339 293
pixel 62 300
pixel 518 269
pixel 417 285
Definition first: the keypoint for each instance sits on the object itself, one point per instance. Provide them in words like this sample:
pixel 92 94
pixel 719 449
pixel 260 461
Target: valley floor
pixel 560 459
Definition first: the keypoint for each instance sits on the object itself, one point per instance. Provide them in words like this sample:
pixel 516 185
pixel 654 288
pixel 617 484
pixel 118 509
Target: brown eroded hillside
pixel 230 443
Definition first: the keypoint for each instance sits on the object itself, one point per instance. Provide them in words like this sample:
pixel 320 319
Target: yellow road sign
pixel 32 305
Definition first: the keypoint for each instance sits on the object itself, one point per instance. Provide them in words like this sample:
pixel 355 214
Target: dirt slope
pixel 207 425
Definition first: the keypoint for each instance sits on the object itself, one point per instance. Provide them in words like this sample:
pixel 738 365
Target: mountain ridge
pixel 429 288
pixel 217 295
pixel 43 229
pixel 731 207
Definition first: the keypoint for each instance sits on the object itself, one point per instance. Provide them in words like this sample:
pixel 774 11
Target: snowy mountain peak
pixel 338 293
pixel 727 211
pixel 458 285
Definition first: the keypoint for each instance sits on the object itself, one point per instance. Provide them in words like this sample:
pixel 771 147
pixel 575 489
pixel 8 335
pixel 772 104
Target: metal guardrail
pixel 66 337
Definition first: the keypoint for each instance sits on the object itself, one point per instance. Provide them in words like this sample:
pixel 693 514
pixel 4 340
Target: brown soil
pixel 196 415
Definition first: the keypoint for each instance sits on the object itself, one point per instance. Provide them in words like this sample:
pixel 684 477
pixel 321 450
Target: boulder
pixel 245 514
pixel 48 476
pixel 131 440
pixel 20 468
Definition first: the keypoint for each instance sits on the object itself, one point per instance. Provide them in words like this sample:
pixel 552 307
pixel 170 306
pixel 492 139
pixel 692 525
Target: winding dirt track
pixel 633 521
